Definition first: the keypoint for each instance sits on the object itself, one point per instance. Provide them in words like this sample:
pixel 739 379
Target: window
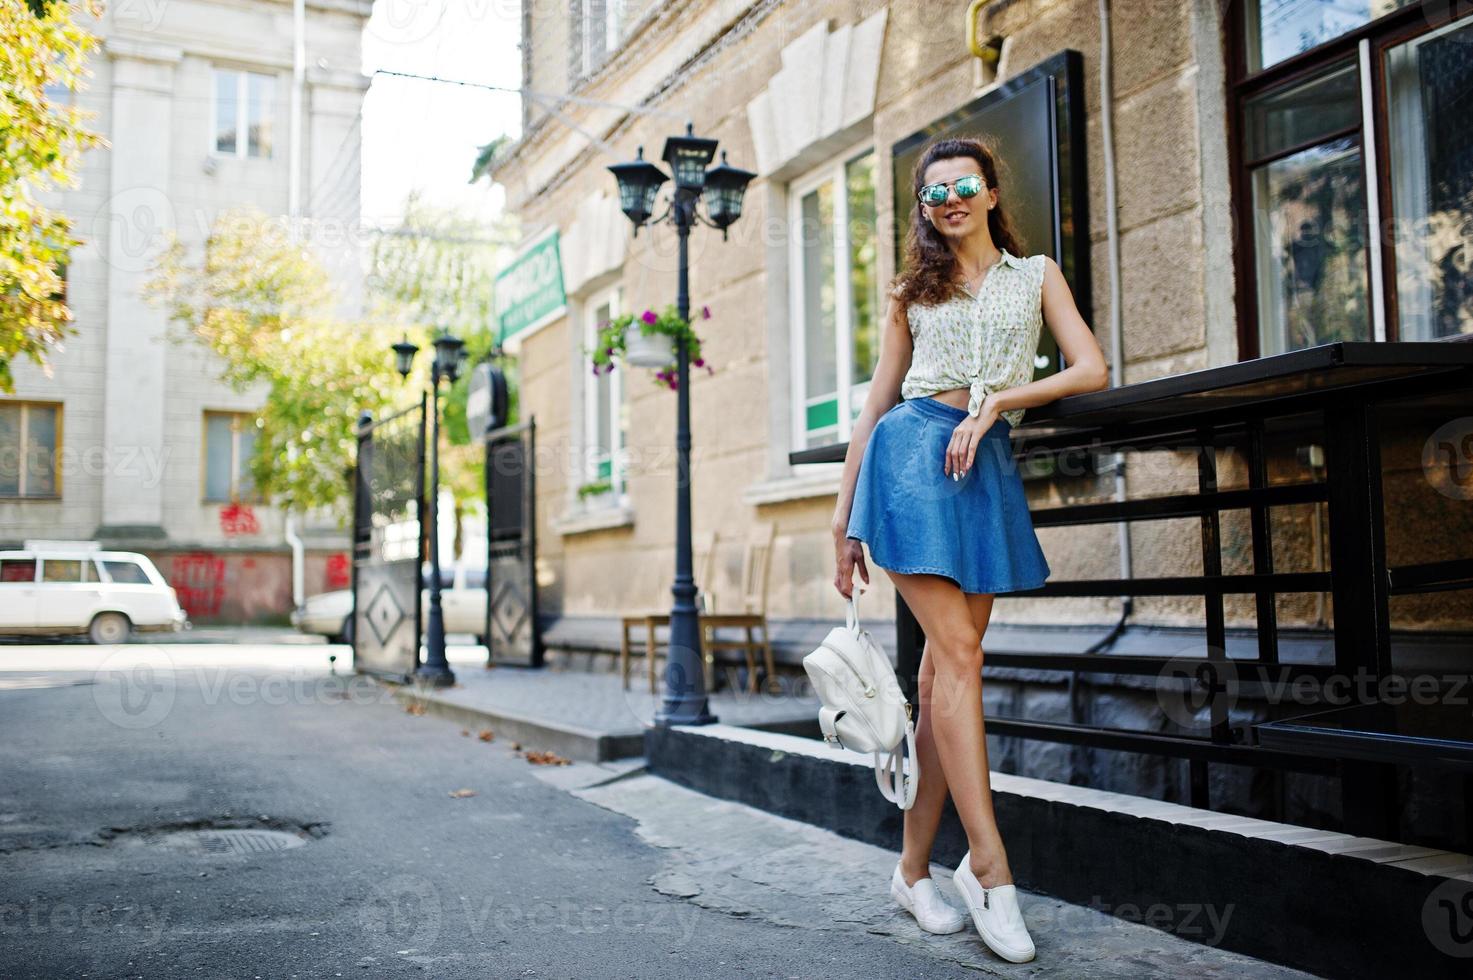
pixel 17 570
pixel 245 105
pixel 835 297
pixel 595 31
pixel 1355 162
pixel 230 442
pixel 605 412
pixel 125 572
pixel 68 570
pixel 1279 29
pixel 30 440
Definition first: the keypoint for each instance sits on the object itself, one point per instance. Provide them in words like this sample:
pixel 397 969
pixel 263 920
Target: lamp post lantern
pixel 449 359
pixel 722 187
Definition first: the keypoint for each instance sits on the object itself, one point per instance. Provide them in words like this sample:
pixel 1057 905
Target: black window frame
pixel 1383 33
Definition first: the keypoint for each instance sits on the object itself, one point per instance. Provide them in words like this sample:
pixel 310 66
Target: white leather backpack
pixel 863 706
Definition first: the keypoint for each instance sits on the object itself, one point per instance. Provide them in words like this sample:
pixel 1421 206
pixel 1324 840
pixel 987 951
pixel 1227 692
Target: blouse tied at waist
pixel 985 343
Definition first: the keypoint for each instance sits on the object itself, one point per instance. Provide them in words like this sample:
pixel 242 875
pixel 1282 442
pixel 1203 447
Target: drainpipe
pixel 298 557
pixel 1117 344
pixel 299 77
pixel 294 211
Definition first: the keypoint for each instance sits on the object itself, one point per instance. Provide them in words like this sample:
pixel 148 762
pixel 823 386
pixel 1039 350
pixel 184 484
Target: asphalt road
pixel 145 791
pixel 105 753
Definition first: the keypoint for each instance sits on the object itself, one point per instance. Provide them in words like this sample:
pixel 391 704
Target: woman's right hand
pixel 848 555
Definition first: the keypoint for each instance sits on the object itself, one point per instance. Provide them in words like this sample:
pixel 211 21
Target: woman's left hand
pixel 965 438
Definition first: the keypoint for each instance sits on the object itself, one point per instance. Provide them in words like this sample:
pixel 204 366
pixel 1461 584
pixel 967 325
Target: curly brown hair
pixel 929 273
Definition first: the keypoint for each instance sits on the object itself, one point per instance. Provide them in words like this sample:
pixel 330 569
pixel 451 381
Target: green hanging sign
pixel 529 292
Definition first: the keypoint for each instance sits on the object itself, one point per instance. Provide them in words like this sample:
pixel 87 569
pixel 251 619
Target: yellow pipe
pixel 986 51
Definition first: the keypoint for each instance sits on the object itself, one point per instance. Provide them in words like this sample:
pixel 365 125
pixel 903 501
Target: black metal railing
pixel 1334 395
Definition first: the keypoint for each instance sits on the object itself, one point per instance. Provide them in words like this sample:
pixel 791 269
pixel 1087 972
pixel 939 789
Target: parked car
pixel 108 595
pixel 462 599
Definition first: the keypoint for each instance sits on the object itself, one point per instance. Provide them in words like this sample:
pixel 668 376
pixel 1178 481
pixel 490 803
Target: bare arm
pixel 1086 370
pixel 884 392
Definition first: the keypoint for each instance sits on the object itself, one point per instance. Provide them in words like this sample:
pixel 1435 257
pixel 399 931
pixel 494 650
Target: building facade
pixel 133 440
pixel 1254 145
pixel 1239 227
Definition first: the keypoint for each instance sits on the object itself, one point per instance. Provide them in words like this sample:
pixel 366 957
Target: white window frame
pixel 242 109
pixel 612 23
pixel 613 296
pixel 23 450
pixel 848 395
pixel 238 466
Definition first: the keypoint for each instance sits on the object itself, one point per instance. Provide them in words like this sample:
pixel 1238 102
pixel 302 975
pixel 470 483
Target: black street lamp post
pixel 449 355
pixel 722 187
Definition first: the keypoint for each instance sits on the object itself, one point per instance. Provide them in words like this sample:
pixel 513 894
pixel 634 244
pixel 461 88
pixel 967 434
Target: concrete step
pixel 1315 900
pixel 547 734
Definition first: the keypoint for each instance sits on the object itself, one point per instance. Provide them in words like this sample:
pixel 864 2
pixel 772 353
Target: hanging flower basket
pixel 649 340
pixel 654 350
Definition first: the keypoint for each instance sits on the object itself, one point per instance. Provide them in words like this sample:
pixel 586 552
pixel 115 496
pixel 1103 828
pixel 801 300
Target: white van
pixel 104 594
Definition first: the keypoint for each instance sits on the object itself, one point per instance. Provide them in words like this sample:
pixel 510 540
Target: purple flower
pixel 609 351
pixel 649 317
pixel 698 362
pixel 705 313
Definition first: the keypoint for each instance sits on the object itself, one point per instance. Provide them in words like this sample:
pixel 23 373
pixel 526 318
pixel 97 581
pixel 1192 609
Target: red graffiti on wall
pixel 339 572
pixel 236 519
pixel 199 579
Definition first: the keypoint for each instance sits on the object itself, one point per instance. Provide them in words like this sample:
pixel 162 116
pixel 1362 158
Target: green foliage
pixel 435 271
pixel 612 343
pixel 260 301
pixel 486 157
pixel 42 47
pixel 594 488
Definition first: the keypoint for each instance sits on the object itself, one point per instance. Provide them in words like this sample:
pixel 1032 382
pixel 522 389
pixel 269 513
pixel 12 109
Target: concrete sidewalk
pixel 588 715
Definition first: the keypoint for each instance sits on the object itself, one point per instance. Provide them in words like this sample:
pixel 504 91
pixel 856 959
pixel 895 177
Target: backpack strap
pixel 890 771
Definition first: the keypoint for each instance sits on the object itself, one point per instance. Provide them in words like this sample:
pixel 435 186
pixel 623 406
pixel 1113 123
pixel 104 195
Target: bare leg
pixel 923 820
pixel 954 647
pixel 924 817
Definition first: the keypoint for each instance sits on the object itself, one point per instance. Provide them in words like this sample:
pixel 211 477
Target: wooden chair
pixel 705 560
pixel 752 617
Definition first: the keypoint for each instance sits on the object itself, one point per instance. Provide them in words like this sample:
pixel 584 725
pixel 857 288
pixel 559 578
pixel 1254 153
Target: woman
pixel 930 485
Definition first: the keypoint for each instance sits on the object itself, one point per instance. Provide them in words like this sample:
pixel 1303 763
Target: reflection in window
pixel 837 310
pixel 1310 247
pixel 1429 96
pixel 1308 211
pixel 1280 29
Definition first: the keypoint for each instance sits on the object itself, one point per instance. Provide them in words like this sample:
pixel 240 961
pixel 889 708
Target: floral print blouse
pixel 985 342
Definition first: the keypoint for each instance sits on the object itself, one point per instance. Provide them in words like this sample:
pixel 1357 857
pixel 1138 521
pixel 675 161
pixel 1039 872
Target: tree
pixel 435 271
pixel 263 304
pixel 42 49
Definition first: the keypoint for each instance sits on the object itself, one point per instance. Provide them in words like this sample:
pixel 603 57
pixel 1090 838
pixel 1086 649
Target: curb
pixel 571 741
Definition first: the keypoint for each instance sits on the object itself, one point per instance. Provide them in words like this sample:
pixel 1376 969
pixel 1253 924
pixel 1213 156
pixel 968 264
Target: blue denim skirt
pixel 976 531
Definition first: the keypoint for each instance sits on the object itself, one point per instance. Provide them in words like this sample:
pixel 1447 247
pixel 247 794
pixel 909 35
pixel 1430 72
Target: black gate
pixel 512 634
pixel 388 543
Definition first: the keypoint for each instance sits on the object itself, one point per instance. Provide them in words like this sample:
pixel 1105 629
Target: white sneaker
pixel 924 901
pixel 996 914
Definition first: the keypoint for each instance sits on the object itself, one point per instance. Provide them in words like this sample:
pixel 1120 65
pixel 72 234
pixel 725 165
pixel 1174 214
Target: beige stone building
pixel 1244 141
